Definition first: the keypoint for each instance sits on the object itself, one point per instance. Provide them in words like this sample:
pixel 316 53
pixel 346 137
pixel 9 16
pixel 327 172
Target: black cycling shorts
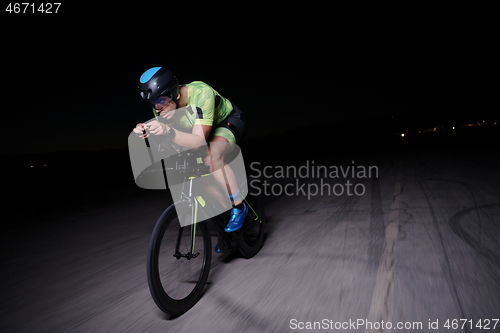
pixel 234 123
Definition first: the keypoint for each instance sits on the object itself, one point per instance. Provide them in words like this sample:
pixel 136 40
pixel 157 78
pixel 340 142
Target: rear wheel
pixel 251 235
pixel 176 274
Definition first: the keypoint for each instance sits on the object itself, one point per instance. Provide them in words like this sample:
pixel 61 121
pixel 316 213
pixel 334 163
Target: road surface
pixel 419 248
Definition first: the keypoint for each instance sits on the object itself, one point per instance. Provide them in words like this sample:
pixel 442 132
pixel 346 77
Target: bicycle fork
pixel 194 214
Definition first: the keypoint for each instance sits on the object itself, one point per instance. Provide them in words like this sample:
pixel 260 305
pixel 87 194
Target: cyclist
pixel 216 121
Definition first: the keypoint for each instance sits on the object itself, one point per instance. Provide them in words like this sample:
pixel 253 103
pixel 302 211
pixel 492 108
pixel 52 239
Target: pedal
pixel 224 246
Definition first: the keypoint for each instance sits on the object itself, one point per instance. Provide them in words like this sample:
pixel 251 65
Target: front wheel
pixel 178 263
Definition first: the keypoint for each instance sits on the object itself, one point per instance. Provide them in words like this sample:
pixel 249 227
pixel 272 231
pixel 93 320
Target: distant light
pixel 32 166
pixel 402 134
pixel 45 165
pixel 453 127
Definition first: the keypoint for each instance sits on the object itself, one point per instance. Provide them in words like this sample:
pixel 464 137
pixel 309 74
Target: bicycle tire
pixel 165 299
pixel 251 238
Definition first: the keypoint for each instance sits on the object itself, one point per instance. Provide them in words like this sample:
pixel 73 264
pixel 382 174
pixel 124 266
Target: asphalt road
pixel 418 248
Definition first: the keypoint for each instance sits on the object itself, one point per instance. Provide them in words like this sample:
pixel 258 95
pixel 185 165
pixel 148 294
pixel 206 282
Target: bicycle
pixel 179 257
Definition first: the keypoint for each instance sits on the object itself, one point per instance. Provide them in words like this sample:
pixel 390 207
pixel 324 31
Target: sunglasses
pixel 160 102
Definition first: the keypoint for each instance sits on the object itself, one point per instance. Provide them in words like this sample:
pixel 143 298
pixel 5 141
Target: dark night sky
pixel 71 79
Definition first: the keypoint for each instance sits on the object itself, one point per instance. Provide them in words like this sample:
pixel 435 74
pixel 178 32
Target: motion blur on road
pixel 416 247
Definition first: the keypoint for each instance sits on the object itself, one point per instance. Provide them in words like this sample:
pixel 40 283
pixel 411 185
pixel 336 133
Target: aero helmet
pixel 158 81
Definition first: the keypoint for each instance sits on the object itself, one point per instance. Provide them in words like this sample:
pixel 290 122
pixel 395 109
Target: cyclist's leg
pixel 223 173
pixel 223 139
pixel 228 133
pixel 214 195
pixel 225 176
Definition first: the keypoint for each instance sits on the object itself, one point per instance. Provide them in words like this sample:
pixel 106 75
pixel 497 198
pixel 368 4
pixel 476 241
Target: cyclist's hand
pixel 156 128
pixel 140 129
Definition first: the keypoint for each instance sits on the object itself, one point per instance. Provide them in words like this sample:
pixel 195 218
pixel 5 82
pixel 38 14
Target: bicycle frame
pixel 193 168
pixel 195 201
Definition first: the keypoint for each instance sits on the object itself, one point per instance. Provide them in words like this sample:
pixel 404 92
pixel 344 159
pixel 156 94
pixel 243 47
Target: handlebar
pixel 184 162
pixel 189 162
pixel 174 170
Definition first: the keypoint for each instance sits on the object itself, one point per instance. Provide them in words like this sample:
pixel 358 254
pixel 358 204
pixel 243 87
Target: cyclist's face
pixel 166 110
pixel 165 106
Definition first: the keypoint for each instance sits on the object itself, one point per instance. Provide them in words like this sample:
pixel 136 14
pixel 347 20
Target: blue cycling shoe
pixel 237 218
pixel 217 249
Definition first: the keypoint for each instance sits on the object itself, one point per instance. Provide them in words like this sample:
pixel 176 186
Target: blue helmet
pixel 158 81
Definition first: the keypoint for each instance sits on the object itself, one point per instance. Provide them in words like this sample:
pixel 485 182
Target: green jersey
pixel 211 108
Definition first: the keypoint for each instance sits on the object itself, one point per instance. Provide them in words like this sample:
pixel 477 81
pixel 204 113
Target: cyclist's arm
pixel 198 137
